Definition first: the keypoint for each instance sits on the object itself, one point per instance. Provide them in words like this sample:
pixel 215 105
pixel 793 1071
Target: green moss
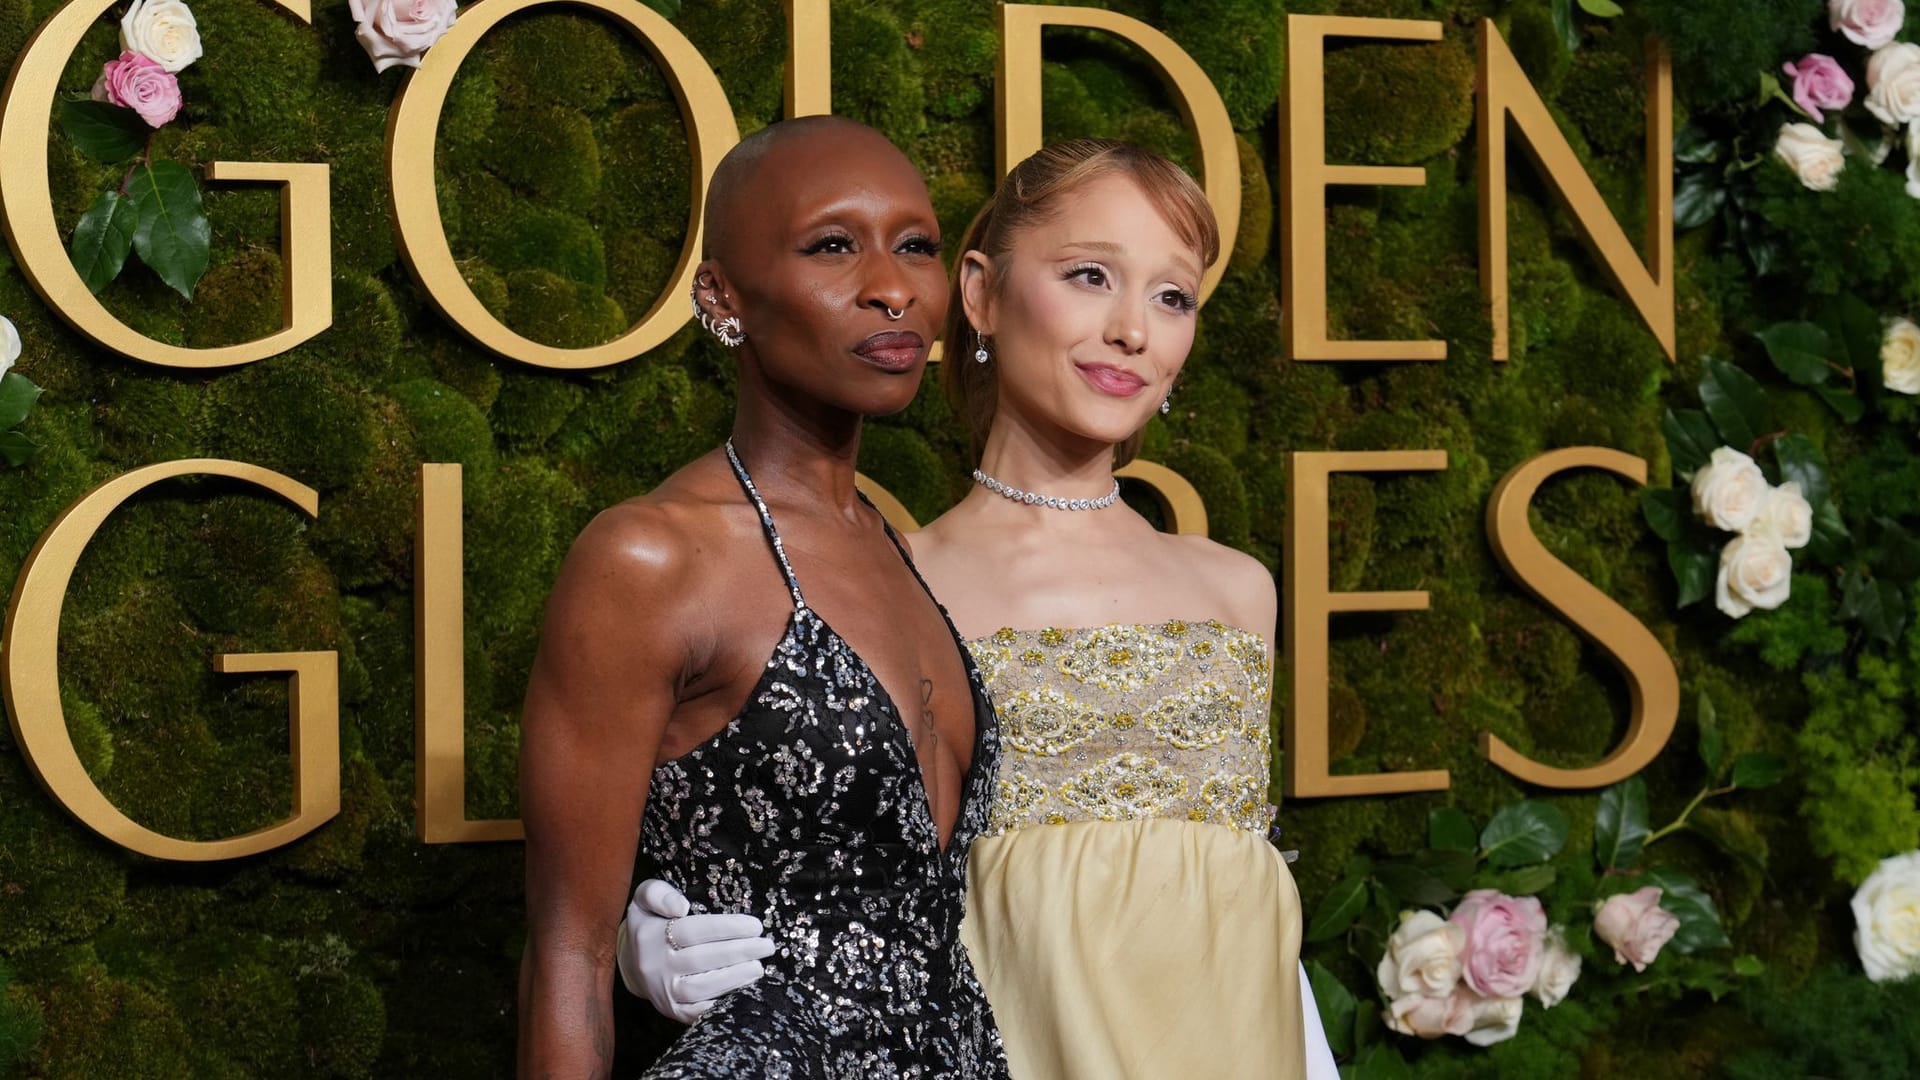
pixel 554 311
pixel 1213 476
pixel 549 154
pixel 1368 87
pixel 1717 45
pixel 876 77
pixel 241 301
pixel 903 463
pixel 521 55
pixel 447 427
pixel 554 241
pixel 647 166
pixel 1239 44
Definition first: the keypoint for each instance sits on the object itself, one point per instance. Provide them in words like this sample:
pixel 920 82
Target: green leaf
pixel 1338 909
pixel 1896 552
pixel 1527 880
pixel 1453 867
pixel 1830 535
pixel 1799 350
pixel 1736 404
pixel 1336 1005
pixel 1692 146
pixel 1694 569
pixel 17 395
pixel 1414 886
pixel 1699 921
pixel 1802 461
pixel 173 236
pixel 1691 440
pixel 1751 771
pixel 1842 401
pixel 1875 604
pixel 1713 746
pixel 1564 27
pixel 1600 9
pixel 1620 828
pixel 1697 199
pixel 1745 965
pixel 16 448
pixel 1382 1061
pixel 1527 832
pixel 1448 829
pixel 103 238
pixel 1666 511
pixel 103 132
pixel 1853 327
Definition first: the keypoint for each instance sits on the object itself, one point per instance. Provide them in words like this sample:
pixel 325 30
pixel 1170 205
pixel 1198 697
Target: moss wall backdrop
pixel 359 951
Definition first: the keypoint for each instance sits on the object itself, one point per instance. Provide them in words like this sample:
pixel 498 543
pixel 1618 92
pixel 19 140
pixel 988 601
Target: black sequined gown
pixel 808 810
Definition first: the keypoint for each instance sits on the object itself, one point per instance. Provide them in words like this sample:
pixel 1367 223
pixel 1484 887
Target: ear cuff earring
pixel 727 330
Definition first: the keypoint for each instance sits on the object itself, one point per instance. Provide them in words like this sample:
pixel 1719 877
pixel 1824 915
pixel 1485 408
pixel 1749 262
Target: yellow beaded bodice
pixel 1129 721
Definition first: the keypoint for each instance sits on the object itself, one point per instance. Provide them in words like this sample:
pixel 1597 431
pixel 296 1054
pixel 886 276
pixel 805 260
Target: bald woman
pixel 742 675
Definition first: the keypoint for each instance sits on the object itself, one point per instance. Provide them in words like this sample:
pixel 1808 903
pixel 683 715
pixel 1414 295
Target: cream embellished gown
pixel 1126 913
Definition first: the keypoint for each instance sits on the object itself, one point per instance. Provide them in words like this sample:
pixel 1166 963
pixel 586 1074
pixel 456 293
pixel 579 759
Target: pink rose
pixel 138 83
pixel 1819 83
pixel 1636 926
pixel 1506 937
pixel 1867 22
pixel 1432 1017
pixel 400 31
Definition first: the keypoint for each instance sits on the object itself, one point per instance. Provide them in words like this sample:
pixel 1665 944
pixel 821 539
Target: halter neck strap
pixel 766 524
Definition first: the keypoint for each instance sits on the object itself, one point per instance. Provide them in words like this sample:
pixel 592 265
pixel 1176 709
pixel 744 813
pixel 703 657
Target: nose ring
pixel 893 315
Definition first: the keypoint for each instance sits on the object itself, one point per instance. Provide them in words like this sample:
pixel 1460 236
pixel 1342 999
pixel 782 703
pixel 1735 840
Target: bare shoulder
pixel 1238 583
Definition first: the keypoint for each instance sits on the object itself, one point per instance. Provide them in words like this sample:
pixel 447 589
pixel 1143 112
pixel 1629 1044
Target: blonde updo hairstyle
pixel 1033 192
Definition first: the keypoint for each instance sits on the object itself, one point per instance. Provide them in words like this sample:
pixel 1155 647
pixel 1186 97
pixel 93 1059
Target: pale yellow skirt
pixel 1138 950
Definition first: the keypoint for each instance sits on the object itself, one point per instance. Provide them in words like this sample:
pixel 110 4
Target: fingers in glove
pixel 716 955
pixel 688 931
pixel 712 984
pixel 658 897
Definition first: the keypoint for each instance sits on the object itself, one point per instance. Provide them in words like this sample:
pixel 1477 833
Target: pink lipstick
pixel 1108 379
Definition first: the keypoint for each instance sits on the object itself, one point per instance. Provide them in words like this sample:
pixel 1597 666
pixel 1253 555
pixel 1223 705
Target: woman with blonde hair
pixel 1126 913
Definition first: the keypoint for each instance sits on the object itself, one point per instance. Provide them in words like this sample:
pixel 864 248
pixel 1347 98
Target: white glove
pixel 682 962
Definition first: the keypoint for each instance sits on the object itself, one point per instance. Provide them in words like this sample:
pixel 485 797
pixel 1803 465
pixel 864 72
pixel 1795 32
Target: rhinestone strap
pixel 1051 502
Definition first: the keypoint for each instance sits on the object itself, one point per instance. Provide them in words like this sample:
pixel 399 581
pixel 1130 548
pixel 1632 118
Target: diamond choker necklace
pixel 1051 502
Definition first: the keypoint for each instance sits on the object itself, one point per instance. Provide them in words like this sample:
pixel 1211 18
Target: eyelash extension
pixel 929 245
pixel 820 245
pixel 1075 271
pixel 1188 301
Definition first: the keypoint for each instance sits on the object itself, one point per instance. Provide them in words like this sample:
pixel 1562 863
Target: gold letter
pixel 416 203
pixel 1305 177
pixel 1504 92
pixel 29 674
pixel 1178 499
pixel 1649 670
pixel 1017 104
pixel 440 668
pixel 27 214
pixel 809 59
pixel 1309 602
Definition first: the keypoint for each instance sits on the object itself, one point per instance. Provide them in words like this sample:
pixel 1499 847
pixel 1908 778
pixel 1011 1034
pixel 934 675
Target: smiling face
pixel 1090 313
pixel 825 233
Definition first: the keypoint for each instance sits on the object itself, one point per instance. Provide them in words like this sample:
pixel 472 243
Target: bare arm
pixel 604 683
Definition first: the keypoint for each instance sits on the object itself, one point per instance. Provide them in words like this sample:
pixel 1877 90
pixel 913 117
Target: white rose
pixel 1900 355
pixel 1785 517
pixel 1559 968
pixel 163 31
pixel 1886 914
pixel 1866 22
pixel 1893 83
pixel 1422 958
pixel 1913 159
pixel 400 31
pixel 1815 159
pixel 9 344
pixel 1727 492
pixel 1755 572
pixel 1494 1020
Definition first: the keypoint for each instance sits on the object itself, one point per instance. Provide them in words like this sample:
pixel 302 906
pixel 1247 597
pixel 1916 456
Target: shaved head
pixel 740 178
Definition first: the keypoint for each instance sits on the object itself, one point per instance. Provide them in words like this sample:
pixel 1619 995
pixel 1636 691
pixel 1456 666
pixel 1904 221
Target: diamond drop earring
pixel 980 354
pixel 1166 405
